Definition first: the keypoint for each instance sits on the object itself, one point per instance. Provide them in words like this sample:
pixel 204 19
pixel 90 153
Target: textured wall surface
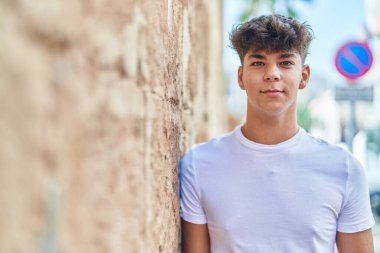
pixel 99 99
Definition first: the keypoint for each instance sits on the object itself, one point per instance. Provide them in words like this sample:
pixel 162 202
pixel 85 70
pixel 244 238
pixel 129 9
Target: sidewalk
pixel 376 236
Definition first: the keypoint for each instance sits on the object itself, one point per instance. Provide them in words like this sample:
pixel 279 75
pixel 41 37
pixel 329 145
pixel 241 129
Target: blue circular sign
pixel 353 60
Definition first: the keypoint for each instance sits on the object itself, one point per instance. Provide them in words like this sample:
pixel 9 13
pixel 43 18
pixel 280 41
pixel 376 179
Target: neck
pixel 270 131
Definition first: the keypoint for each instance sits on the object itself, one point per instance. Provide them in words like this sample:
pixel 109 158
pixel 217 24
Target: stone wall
pixel 99 100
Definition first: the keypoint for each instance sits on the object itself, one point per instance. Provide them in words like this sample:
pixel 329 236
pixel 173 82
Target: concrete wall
pixel 99 99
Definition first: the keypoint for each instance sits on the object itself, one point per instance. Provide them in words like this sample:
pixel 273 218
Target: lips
pixel 272 92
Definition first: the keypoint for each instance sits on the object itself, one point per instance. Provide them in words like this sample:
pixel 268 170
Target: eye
pixel 257 64
pixel 286 63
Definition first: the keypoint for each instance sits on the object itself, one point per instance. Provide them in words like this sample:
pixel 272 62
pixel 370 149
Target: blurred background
pixel 100 99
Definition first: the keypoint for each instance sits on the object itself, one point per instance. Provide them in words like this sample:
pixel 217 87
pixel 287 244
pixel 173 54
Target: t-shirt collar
pixel 265 147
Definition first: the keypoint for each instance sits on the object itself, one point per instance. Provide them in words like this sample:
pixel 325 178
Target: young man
pixel 268 186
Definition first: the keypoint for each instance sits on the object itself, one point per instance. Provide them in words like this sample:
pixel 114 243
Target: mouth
pixel 272 92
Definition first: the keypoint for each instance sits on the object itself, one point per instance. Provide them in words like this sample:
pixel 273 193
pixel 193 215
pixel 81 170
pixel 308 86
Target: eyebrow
pixel 257 56
pixel 282 56
pixel 287 55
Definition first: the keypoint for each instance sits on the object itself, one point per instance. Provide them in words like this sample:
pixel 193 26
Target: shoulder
pixel 212 146
pixel 317 142
pixel 313 144
pixel 327 155
pixel 210 151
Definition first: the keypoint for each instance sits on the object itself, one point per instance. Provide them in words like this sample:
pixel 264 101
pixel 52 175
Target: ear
pixel 305 75
pixel 240 78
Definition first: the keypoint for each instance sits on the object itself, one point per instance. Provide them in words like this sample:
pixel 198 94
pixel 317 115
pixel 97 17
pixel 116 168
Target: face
pixel 271 81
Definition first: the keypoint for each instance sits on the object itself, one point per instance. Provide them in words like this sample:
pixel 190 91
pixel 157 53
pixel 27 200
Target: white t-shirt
pixel 289 197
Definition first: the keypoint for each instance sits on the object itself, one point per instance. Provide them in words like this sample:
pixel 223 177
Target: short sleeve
pixel 190 200
pixel 356 214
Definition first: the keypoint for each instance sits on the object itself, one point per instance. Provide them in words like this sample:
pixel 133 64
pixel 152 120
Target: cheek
pixel 250 78
pixel 296 80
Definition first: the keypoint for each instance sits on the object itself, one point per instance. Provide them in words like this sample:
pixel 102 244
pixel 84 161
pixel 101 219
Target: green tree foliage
pixel 304 117
pixel 251 7
pixel 373 140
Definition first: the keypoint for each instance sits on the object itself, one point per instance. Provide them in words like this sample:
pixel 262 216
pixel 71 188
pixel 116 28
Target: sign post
pixel 353 60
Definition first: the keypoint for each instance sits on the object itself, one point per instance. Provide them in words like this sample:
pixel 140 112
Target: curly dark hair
pixel 271 33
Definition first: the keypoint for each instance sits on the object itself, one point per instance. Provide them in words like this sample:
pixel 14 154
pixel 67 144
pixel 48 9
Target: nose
pixel 272 74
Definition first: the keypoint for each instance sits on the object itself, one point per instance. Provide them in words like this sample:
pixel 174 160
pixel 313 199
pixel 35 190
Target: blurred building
pixel 372 115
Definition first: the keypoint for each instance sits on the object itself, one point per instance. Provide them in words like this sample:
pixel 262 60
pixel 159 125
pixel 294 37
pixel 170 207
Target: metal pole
pixel 350 126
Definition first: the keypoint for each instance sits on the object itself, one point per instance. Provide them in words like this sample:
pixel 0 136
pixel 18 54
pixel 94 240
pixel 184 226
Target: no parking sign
pixel 353 60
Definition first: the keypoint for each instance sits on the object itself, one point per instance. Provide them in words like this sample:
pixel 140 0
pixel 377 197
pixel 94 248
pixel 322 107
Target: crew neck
pixel 269 147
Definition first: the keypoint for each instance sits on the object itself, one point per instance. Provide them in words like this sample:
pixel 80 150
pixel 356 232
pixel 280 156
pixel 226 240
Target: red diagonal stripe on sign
pixel 350 56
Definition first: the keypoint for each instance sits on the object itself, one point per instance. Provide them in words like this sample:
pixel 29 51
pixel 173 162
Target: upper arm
pixel 355 242
pixel 195 238
pixel 355 213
